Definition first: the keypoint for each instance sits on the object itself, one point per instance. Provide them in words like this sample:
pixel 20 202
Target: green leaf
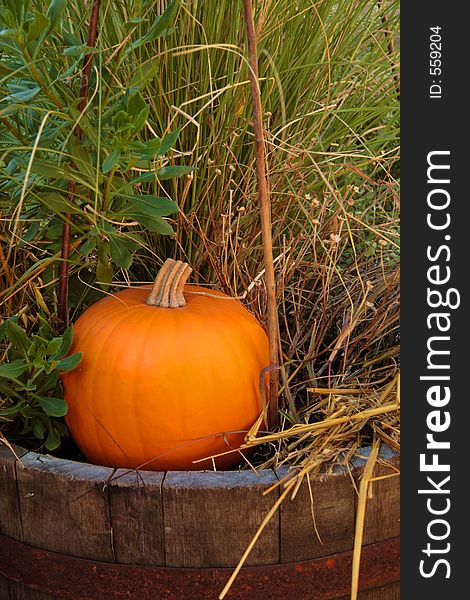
pixel 53 13
pixel 11 109
pixel 135 20
pixel 28 386
pixel 66 343
pixel 140 120
pixel 58 204
pixel 119 253
pixel 132 241
pixel 154 206
pixel 133 118
pixel 53 346
pixel 54 171
pixel 70 39
pixel 103 245
pixel 14 369
pixel 3 329
pixel 149 150
pixel 111 160
pixel 37 351
pixel 144 178
pixel 24 95
pixel 121 122
pixel 48 382
pixel 88 245
pixel 135 105
pixel 31 231
pixel 53 440
pixel 81 156
pixel 11 411
pixel 70 362
pixel 104 272
pixel 38 429
pixel 38 362
pixel 45 328
pixel 17 336
pixel 75 50
pixel 71 70
pixel 37 26
pixel 53 407
pixel 55 10
pixel 9 33
pixel 88 129
pixel 155 224
pixel 51 366
pixel 168 142
pixel 144 75
pixel 8 391
pixel 159 27
pixel 48 169
pixel 171 172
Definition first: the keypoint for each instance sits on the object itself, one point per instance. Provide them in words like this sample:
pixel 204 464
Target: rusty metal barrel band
pixel 71 578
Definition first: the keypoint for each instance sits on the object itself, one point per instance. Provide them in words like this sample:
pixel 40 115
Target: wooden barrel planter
pixel 77 531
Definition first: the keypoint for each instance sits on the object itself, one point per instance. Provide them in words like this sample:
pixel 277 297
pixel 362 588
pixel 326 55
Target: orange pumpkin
pixel 166 378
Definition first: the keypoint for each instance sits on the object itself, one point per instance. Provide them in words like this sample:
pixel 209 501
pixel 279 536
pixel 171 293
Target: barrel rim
pixel 211 477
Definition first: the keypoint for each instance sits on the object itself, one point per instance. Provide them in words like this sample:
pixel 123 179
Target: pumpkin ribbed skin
pixel 158 388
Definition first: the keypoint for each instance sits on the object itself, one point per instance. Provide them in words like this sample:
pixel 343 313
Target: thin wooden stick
pixel 360 515
pixel 63 303
pixel 340 391
pixel 266 520
pixel 265 208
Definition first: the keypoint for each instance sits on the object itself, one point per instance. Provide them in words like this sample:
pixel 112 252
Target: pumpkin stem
pixel 167 291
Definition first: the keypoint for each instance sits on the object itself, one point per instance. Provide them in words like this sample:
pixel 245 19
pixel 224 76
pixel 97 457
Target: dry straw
pixel 315 448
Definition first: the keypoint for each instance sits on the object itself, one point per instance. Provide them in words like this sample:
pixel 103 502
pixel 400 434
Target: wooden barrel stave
pixel 195 517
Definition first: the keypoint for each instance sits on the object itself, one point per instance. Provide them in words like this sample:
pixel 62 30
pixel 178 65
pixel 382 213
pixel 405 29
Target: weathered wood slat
pixel 4 588
pixel 210 519
pixel 21 592
pixel 331 499
pixel 188 520
pixel 64 506
pixel 382 518
pixel 10 520
pixel 387 592
pixel 137 517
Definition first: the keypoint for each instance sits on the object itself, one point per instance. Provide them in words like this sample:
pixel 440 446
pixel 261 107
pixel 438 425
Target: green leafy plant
pixel 105 181
pixel 29 380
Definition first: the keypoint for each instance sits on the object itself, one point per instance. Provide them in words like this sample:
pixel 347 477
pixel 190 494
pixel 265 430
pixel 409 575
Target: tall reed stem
pixel 265 210
pixel 63 303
